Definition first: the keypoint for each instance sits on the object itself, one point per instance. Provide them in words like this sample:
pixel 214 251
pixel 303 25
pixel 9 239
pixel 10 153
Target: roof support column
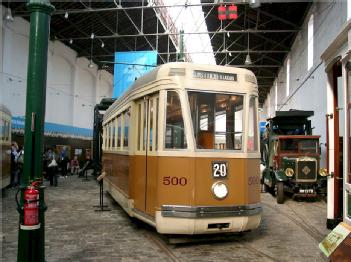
pixel 31 243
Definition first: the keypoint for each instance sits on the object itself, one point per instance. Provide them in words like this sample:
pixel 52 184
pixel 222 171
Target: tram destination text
pixel 214 75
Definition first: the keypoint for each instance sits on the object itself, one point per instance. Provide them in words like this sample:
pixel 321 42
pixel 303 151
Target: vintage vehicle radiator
pixel 306 170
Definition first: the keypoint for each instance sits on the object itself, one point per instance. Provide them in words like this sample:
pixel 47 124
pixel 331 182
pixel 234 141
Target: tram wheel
pixel 280 192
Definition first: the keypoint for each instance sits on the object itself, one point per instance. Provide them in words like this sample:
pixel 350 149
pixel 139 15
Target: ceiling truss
pixel 265 33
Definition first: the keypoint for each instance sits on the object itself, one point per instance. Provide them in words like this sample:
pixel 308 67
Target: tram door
pixel 146 161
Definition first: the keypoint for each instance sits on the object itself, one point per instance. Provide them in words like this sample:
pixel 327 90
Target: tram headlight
pixel 323 172
pixel 289 172
pixel 220 190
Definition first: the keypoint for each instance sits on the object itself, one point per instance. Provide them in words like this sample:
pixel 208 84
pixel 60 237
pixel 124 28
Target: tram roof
pixel 166 71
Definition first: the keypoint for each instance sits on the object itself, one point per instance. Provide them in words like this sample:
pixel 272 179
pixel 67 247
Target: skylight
pixel 191 19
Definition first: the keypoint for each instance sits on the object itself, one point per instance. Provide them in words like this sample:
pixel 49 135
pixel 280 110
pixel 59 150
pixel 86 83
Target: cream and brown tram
pixel 5 144
pixel 180 149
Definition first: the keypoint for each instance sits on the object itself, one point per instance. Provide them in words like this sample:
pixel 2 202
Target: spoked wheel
pixel 280 192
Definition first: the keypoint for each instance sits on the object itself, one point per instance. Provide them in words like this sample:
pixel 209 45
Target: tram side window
pixel 217 120
pixel 156 135
pixel 5 130
pixel 108 136
pixel 151 116
pixel 112 134
pixel 126 128
pixel 139 127
pixel 252 137
pixel 2 130
pixel 104 137
pixel 144 125
pixel 175 133
pixel 119 131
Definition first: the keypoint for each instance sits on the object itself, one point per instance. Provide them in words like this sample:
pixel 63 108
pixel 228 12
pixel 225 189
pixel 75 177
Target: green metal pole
pixel 31 243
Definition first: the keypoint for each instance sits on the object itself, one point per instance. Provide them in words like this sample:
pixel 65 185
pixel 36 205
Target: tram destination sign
pixel 214 75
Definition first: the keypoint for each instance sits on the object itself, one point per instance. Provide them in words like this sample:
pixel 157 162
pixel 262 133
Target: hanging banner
pixel 129 66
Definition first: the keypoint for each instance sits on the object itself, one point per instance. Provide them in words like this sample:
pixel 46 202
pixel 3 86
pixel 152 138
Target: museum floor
pixel 75 232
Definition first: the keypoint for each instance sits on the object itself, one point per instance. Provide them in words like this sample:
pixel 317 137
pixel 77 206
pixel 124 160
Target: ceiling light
pixel 230 53
pixel 255 3
pixel 91 65
pixel 102 44
pixel 228 34
pixel 92 35
pixel 66 15
pixel 8 16
pixel 71 41
pixel 248 60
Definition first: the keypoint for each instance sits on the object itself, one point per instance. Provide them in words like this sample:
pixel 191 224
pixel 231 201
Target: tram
pixel 5 144
pixel 180 149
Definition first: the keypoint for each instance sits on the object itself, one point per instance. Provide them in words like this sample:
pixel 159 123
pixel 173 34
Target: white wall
pixel 308 87
pixel 72 87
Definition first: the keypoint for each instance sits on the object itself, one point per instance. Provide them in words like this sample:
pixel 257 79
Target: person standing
pixel 63 161
pixel 74 165
pixel 52 167
pixel 20 163
pixel 14 167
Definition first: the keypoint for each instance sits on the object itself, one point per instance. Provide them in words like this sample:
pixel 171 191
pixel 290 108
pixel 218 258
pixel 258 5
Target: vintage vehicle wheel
pixel 280 192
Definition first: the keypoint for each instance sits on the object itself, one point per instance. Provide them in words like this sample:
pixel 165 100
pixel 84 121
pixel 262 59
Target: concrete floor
pixel 74 232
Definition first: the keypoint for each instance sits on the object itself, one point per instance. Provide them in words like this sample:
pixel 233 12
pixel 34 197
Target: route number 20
pixel 219 169
pixel 174 181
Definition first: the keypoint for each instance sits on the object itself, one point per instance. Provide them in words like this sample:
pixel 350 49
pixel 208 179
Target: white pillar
pixel 330 109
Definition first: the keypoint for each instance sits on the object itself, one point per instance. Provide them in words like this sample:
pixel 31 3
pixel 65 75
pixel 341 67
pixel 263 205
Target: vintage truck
pixel 291 156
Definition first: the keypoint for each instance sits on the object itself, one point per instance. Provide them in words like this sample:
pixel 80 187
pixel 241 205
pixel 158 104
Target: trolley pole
pixel 31 241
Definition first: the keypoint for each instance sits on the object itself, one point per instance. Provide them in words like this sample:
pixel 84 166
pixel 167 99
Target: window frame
pixel 192 129
pixel 183 104
pixel 123 135
pixel 142 107
pixel 255 126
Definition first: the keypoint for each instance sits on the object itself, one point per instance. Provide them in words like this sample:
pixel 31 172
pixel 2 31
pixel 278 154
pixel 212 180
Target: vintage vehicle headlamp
pixel 323 172
pixel 220 190
pixel 289 172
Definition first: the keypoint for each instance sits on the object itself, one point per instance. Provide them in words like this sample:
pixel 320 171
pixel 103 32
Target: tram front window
pixel 217 120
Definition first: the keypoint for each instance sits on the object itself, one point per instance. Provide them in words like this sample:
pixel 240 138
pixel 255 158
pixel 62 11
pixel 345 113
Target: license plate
pixel 219 169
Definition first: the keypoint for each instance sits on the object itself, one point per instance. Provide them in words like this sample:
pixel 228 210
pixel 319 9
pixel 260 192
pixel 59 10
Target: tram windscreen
pixel 217 120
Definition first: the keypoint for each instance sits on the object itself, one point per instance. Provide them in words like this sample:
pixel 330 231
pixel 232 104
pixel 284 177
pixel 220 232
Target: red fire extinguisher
pixel 31 206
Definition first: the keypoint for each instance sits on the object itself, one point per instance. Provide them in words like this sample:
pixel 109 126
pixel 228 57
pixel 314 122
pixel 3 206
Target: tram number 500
pixel 174 181
pixel 219 169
